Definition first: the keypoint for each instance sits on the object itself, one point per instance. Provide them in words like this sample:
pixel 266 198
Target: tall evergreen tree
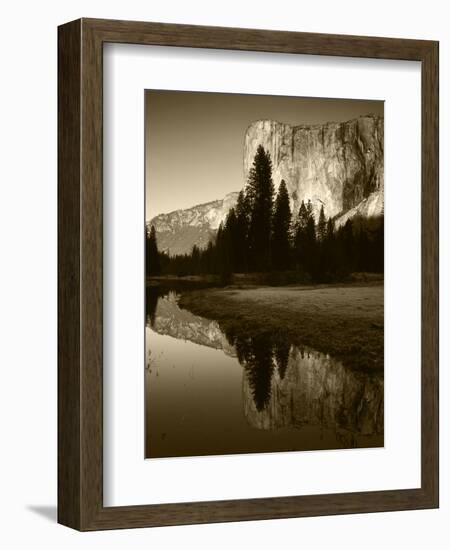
pixel 208 258
pixel 363 260
pixel 260 193
pixel 233 237
pixel 300 234
pixel 329 247
pixel 321 253
pixel 378 247
pixel 195 260
pixel 348 247
pixel 305 238
pixel 310 245
pixel 330 229
pixel 223 254
pixel 242 223
pixel 152 264
pixel 281 229
pixel 309 209
pixel 321 226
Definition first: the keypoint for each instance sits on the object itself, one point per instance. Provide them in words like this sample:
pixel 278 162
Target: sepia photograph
pixel 264 274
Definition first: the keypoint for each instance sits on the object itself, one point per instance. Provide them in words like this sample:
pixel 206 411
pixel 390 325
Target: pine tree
pixel 321 267
pixel 152 264
pixel 329 251
pixel 300 234
pixel 310 245
pixel 242 223
pixel 223 254
pixel 233 237
pixel 208 263
pixel 305 238
pixel 330 229
pixel 378 247
pixel 309 209
pixel 281 229
pixel 195 260
pixel 259 193
pixel 348 244
pixel 321 226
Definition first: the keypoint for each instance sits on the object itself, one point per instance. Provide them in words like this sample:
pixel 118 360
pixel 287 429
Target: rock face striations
pixel 337 164
pixel 318 391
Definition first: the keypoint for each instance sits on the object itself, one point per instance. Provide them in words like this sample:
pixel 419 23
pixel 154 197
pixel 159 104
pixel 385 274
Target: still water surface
pixel 211 393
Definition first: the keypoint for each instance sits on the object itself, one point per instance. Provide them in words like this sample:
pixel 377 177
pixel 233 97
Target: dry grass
pixel 345 321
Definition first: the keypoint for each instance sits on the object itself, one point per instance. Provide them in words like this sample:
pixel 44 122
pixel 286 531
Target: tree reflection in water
pixel 259 355
pixel 282 349
pixel 152 294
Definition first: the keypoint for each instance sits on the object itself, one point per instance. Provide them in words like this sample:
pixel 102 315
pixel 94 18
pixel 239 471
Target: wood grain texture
pixel 69 245
pixel 91 267
pixel 80 368
pixel 430 272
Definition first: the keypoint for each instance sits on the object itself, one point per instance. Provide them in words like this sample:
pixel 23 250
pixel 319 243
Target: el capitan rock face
pixel 337 164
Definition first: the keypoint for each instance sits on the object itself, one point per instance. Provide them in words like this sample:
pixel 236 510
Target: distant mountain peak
pixel 178 231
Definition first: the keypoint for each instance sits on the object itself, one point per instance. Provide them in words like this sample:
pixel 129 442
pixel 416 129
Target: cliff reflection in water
pixel 283 386
pixel 289 386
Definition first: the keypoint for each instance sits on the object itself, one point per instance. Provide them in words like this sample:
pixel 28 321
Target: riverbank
pixel 345 321
pixel 282 278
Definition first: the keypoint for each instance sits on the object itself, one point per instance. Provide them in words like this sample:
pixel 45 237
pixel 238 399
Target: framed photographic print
pixel 248 274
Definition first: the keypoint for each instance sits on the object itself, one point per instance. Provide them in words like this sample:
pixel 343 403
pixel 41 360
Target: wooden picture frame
pixel 80 272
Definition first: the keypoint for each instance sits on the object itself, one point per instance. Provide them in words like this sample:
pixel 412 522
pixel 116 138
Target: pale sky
pixel 195 140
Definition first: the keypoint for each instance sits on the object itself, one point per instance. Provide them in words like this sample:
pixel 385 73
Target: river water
pixel 210 393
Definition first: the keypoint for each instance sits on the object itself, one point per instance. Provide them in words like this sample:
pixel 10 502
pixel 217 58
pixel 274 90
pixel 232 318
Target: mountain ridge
pixel 178 231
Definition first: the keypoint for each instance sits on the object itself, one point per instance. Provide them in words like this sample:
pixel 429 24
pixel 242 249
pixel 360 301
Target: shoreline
pixel 270 279
pixel 345 321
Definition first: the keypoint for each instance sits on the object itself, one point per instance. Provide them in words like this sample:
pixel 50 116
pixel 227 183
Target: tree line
pixel 261 234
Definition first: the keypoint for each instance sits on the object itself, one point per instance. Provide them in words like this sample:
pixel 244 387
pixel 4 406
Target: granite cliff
pixel 338 164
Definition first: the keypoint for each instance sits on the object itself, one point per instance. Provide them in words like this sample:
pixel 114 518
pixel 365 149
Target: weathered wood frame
pixel 80 265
